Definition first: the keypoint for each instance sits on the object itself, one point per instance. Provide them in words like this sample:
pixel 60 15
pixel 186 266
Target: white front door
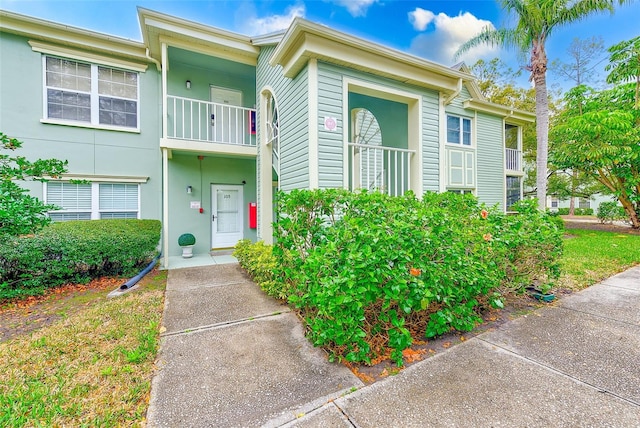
pixel 227 208
pixel 227 119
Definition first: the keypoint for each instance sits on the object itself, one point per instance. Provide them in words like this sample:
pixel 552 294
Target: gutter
pixel 455 93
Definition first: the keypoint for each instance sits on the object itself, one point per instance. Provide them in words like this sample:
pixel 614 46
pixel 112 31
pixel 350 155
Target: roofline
pixel 301 25
pixel 182 29
pixel 41 29
pixel 515 115
pixel 268 39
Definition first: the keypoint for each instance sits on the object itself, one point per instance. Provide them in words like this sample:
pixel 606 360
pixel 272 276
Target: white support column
pixel 265 181
pixel 165 66
pixel 312 81
pixel 415 168
pixel 443 164
pixel 165 207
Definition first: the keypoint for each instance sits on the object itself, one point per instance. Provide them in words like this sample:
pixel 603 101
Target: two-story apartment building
pixel 198 127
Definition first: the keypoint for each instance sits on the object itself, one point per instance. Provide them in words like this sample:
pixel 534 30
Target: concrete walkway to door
pixel 230 356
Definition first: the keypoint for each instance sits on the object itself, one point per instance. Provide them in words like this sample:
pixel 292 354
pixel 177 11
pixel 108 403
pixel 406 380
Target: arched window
pixel 369 161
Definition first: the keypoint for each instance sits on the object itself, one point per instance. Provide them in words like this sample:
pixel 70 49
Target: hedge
pixel 576 211
pixel 75 252
pixel 370 273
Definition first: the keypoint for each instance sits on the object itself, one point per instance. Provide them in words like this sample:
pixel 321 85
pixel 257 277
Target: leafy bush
pixel 75 251
pixel 21 213
pixel 608 212
pixel 186 239
pixel 576 211
pixel 366 269
pixel 258 260
pixel 583 211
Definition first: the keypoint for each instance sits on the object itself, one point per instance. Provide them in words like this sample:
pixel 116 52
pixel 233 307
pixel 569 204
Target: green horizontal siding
pixel 490 160
pixel 291 96
pixel 331 144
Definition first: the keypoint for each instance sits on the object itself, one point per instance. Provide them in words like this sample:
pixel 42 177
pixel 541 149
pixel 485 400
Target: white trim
pixel 442 136
pixel 102 178
pixel 48 49
pixel 165 207
pixel 312 102
pixel 165 107
pixel 88 125
pixel 264 173
pixel 414 131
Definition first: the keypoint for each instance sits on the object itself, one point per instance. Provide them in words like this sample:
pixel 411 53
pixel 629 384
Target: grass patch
pixel 93 368
pixel 591 256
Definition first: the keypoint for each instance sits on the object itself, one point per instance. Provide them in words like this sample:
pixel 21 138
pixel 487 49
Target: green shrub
pixel 186 239
pixel 608 212
pixel 75 251
pixel 365 269
pixel 576 211
pixel 583 211
pixel 258 260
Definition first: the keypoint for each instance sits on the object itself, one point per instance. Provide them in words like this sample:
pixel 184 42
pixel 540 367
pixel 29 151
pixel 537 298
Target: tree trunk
pixel 631 212
pixel 539 75
pixel 574 185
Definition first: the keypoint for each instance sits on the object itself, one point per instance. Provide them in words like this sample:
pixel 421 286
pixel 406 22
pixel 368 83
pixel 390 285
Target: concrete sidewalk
pixel 230 356
pixel 576 363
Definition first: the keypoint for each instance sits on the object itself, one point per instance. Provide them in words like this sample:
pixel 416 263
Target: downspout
pixel 153 60
pixel 133 281
pixel 455 93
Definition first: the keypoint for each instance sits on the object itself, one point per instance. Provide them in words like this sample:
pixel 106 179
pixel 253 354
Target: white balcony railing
pixel 513 159
pixel 385 169
pixel 196 120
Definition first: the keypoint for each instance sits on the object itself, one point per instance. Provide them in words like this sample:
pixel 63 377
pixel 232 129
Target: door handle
pixel 213 217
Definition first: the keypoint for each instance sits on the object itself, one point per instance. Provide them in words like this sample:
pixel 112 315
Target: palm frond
pixel 492 37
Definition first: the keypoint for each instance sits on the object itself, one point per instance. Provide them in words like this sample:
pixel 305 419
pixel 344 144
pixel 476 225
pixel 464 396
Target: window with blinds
pixel 118 200
pixel 89 93
pixel 91 201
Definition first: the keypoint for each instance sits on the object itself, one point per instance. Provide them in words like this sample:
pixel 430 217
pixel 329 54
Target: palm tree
pixel 536 19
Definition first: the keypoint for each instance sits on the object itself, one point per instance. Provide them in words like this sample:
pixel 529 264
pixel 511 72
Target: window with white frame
pixel 461 191
pixel 584 203
pixel 514 191
pixel 458 130
pixel 92 201
pixel 90 93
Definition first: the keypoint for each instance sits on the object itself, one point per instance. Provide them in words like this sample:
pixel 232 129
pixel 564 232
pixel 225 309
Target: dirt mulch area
pixel 595 225
pixel 515 307
pixel 22 316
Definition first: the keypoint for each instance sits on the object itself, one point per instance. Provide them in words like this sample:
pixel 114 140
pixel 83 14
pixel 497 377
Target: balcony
pixel 208 122
pixel 513 160
pixel 384 169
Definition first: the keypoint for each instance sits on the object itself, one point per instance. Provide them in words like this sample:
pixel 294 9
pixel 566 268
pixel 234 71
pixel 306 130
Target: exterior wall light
pixel 188 84
pixel 189 190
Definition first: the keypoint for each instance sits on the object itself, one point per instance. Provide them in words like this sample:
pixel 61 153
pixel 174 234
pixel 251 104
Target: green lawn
pixel 93 368
pixel 591 256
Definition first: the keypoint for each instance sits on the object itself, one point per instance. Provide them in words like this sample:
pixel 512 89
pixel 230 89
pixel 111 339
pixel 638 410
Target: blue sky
pixel 430 29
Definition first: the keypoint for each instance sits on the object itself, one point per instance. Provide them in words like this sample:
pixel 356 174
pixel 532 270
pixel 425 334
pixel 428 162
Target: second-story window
pixel 90 93
pixel 458 130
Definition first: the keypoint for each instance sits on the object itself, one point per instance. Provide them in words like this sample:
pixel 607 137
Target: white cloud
pixel 448 34
pixel 421 18
pixel 268 24
pixel 356 7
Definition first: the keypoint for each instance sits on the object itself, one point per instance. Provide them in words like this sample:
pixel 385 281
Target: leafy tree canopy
pixel 599 131
pixel 21 213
